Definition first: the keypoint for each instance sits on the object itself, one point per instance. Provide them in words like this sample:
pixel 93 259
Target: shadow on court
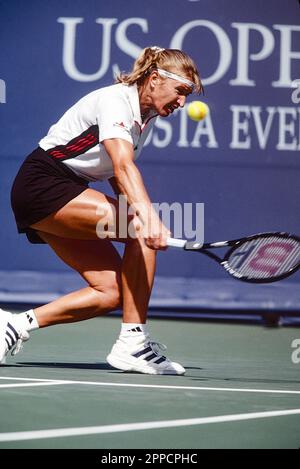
pixel 106 367
pixel 79 366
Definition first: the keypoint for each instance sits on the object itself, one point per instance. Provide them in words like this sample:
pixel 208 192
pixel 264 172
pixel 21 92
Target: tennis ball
pixel 197 110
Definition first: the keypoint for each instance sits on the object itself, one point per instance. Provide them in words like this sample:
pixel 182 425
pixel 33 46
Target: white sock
pixel 27 320
pixel 133 331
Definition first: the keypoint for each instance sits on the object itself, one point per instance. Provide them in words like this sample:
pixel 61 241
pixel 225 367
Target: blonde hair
pixel 172 60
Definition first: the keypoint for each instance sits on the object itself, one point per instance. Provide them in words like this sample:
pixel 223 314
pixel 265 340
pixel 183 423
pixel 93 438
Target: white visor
pixel 173 76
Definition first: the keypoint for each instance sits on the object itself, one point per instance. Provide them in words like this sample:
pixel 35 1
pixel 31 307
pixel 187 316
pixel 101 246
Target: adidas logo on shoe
pixel 142 358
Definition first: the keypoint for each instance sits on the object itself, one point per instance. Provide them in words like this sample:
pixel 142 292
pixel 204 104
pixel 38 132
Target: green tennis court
pixel 241 390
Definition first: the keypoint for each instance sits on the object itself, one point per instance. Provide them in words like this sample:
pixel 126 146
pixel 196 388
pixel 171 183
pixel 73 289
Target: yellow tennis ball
pixel 197 110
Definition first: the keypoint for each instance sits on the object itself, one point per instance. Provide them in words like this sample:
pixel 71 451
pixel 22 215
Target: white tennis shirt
pixel 110 112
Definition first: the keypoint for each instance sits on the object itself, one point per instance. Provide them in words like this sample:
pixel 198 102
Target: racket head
pixel 264 257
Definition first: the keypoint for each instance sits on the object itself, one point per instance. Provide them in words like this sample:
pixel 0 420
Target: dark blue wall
pixel 248 178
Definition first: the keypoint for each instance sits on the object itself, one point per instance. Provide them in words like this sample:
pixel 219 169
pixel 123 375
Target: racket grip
pixel 176 243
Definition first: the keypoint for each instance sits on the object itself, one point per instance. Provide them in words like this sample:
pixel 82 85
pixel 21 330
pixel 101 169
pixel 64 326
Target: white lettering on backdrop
pixel 250 124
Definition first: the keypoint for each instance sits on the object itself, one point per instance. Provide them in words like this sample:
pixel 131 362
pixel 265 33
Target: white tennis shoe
pixel 142 357
pixel 11 337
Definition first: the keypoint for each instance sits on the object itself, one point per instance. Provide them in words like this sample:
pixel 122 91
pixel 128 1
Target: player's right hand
pixel 156 234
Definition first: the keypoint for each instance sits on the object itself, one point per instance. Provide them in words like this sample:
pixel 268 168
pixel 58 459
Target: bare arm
pixel 129 182
pixel 113 182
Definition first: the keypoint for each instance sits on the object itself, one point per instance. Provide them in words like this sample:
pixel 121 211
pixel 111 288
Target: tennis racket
pixel 260 258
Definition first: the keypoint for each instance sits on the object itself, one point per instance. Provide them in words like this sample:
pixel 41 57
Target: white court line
pixel 36 382
pixel 15 378
pixel 127 427
pixel 159 386
pixel 26 385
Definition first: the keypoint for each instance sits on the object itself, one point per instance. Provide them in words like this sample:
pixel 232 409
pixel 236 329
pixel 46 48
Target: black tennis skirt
pixel 42 186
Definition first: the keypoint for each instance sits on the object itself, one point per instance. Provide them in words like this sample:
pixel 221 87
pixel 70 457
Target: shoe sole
pixel 125 366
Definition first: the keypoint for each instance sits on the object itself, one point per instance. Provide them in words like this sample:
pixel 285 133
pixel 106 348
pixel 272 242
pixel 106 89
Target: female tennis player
pixel 100 138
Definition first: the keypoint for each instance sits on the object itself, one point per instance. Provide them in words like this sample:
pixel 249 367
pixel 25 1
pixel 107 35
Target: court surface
pixel 241 389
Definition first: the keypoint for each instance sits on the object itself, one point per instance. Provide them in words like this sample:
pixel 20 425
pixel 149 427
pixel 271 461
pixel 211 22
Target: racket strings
pixel 265 257
pixel 294 258
pixel 276 263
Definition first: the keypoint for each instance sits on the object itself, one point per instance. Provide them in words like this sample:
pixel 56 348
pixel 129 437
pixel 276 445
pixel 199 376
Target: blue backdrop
pixel 242 162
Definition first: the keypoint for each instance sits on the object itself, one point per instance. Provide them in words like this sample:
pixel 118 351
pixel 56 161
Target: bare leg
pixel 71 232
pixel 77 306
pixel 99 264
pixel 78 219
pixel 137 281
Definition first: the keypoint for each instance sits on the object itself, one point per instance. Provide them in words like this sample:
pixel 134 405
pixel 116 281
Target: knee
pixel 111 297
